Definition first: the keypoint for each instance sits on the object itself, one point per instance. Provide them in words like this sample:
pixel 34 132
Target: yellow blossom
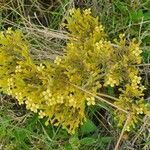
pixel 57 60
pixel 87 11
pixel 90 101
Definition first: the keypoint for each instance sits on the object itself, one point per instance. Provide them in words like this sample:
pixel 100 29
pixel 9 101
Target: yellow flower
pixel 41 114
pixel 34 107
pixel 72 11
pixel 57 60
pixel 90 101
pixel 87 11
pixel 18 69
pixel 41 67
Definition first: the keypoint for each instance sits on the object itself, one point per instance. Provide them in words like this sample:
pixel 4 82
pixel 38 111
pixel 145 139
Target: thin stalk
pixel 107 96
pixel 100 98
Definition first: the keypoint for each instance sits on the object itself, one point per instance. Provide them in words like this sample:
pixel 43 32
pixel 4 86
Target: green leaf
pixel 88 141
pixel 103 141
pixel 74 142
pixel 147 16
pixel 67 147
pixel 110 90
pixel 136 15
pixel 106 139
pixel 146 55
pixel 20 134
pixel 88 127
pixel 121 6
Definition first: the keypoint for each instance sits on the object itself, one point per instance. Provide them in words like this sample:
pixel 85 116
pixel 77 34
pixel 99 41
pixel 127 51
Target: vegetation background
pixel 41 21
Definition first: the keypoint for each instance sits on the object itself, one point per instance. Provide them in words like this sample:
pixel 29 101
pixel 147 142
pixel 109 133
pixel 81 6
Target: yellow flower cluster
pixel 131 99
pixel 57 60
pixel 10 85
pixel 87 11
pixel 41 114
pixel 31 105
pixel 91 62
pixel 18 69
pixel 19 97
pixel 110 81
pixel 90 101
pixel 40 67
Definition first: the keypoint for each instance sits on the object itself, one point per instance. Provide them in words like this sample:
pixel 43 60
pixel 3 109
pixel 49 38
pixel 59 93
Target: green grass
pixel 20 129
pixel 41 23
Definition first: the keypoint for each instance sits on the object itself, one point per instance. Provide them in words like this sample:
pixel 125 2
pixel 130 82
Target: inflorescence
pixel 90 61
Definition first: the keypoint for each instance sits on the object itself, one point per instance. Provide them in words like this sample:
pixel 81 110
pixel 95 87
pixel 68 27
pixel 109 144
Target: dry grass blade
pixel 146 123
pixel 48 33
pixel 122 132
